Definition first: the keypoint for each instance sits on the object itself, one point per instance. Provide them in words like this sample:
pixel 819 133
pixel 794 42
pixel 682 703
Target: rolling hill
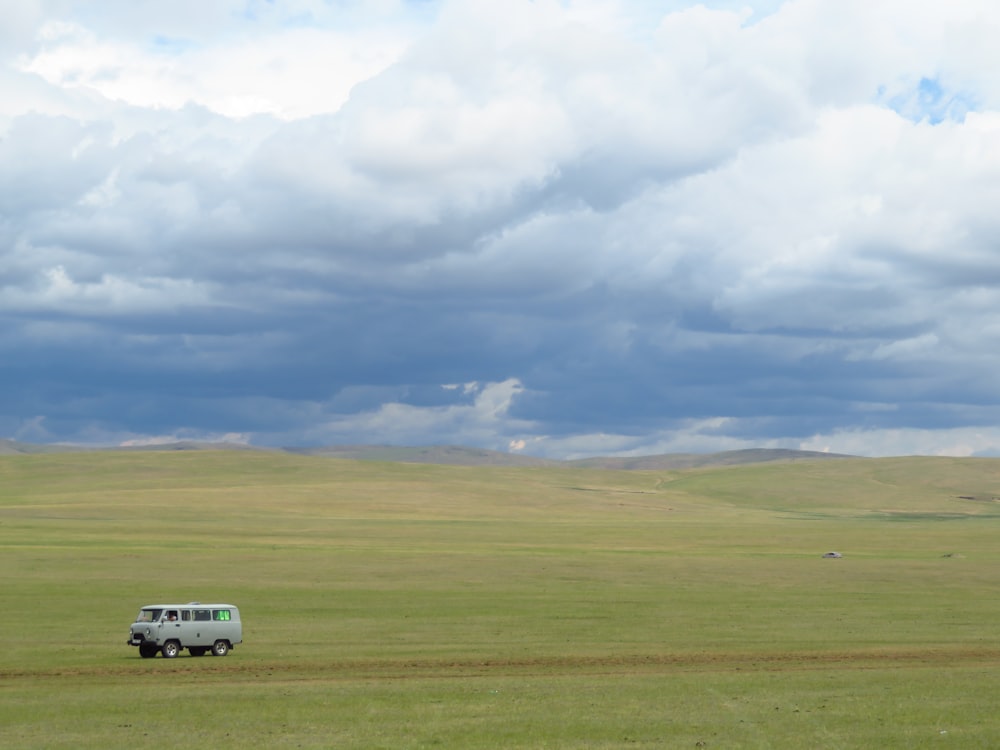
pixel 459 455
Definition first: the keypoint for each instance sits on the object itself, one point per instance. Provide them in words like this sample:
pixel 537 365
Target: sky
pixel 560 228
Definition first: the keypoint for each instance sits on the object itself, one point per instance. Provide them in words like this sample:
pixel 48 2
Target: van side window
pixel 201 615
pixel 221 614
pixel 185 615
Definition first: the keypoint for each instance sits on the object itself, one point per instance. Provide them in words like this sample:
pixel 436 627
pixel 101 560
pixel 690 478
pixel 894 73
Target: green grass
pixel 417 606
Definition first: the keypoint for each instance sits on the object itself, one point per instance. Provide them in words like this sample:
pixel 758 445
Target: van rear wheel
pixel 220 648
pixel 170 649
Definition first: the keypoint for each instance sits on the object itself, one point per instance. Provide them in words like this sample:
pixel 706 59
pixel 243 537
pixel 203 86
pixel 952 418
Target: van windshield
pixel 148 615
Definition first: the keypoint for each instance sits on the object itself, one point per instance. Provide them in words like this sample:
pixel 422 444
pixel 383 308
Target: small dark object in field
pixel 833 555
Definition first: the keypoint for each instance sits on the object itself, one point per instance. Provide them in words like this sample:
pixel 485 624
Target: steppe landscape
pixel 394 604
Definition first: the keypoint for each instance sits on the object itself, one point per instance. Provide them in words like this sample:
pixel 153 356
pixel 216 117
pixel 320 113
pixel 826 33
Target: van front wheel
pixel 220 648
pixel 170 649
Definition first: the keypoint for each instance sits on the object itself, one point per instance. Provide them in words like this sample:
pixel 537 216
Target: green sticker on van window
pixel 221 614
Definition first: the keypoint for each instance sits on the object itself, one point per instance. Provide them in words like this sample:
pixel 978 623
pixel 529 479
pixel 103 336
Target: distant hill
pixel 461 456
pixel 432 454
pixel 187 445
pixel 12 447
pixel 695 460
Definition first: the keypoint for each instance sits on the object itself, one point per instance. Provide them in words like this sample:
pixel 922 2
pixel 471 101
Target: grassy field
pixel 419 606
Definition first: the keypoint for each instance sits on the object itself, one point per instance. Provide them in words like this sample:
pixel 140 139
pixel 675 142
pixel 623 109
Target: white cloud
pixel 32 429
pixel 960 441
pixel 484 421
pixel 20 19
pixel 109 295
pixel 154 440
pixel 921 347
pixel 290 73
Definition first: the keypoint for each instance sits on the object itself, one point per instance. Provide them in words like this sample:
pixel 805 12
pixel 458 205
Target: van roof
pixel 188 604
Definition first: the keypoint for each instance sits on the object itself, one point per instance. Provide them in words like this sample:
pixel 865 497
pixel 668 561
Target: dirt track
pixel 396 669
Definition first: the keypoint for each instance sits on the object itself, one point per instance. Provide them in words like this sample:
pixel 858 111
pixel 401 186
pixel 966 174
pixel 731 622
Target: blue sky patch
pixel 931 101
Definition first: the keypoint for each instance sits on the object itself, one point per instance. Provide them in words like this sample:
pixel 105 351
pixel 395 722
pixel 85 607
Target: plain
pixel 392 605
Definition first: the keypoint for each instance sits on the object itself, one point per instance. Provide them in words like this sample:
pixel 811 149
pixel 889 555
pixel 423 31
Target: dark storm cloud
pixel 559 229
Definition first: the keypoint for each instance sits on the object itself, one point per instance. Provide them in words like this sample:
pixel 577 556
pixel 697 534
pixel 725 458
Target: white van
pixel 198 627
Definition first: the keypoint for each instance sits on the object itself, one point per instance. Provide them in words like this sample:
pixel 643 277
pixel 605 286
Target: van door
pixel 201 627
pixel 186 631
pixel 170 626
